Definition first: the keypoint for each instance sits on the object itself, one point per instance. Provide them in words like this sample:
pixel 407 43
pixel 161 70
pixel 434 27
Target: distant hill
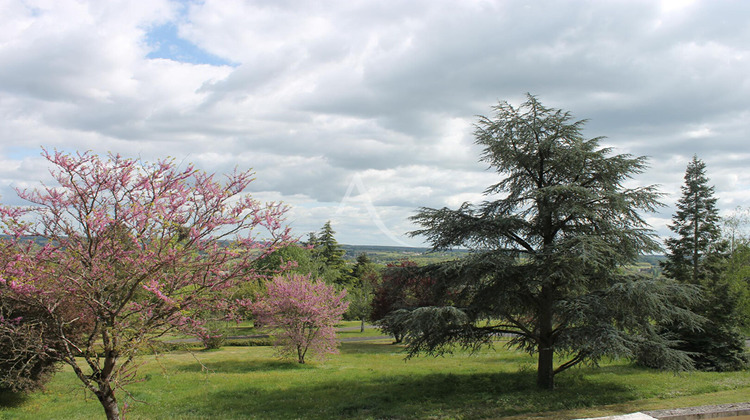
pixel 387 254
pixel 355 250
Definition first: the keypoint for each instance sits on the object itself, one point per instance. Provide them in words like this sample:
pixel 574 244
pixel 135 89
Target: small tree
pixel 137 249
pixel 304 312
pixel 361 289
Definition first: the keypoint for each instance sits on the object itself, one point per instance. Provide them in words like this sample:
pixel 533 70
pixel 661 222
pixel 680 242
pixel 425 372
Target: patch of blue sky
pixel 21 152
pixel 35 11
pixel 166 43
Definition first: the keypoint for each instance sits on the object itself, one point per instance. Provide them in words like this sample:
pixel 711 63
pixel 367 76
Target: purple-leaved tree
pixel 137 249
pixel 304 312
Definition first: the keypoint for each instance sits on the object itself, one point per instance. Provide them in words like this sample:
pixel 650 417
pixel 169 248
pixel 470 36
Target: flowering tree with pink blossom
pixel 304 313
pixel 138 249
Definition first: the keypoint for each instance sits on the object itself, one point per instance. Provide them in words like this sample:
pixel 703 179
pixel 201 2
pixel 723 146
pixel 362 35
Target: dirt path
pixel 259 336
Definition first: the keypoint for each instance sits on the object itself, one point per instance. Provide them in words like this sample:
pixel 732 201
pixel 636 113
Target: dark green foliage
pixel 548 247
pixel 30 344
pixel 403 288
pixel 698 255
pixel 395 323
pixel 28 358
pixel 328 249
pixel 363 266
pixel 719 346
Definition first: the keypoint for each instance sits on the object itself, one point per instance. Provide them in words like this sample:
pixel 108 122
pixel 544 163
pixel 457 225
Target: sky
pixel 360 112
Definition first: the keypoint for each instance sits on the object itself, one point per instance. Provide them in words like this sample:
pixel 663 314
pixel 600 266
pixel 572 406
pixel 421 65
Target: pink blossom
pixel 304 312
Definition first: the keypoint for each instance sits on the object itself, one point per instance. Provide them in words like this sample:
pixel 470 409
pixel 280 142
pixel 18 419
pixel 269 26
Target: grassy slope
pixel 372 380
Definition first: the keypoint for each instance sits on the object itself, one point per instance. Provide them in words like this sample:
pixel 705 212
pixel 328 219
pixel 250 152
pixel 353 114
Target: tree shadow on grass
pixel 357 347
pixel 399 396
pixel 11 399
pixel 243 366
pixel 630 369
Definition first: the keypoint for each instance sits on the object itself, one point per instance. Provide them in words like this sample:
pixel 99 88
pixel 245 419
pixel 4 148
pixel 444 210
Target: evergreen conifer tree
pixel 697 255
pixel 695 251
pixel 330 256
pixel 549 244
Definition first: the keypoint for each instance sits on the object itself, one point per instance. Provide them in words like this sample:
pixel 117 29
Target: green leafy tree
pixel 737 277
pixel 291 258
pixel 698 255
pixel 329 249
pixel 361 289
pixel 548 247
pixel 737 270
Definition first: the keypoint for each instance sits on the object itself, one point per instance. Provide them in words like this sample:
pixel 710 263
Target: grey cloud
pixel 325 91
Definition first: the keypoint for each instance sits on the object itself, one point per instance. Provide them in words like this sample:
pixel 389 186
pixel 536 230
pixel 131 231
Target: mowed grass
pixel 371 379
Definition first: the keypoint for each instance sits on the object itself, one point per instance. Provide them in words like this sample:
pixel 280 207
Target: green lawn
pixel 371 379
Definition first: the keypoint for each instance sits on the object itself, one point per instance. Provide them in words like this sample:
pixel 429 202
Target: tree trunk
pixel 545 373
pixel 107 397
pixel 301 354
pixel 362 326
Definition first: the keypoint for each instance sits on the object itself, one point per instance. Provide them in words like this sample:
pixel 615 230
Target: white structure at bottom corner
pixel 632 416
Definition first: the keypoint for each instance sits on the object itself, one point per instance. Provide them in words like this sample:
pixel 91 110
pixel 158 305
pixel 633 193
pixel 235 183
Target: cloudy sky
pixel 359 112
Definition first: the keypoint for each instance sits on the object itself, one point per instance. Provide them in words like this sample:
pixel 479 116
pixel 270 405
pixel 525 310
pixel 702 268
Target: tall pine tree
pixel 695 250
pixel 697 255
